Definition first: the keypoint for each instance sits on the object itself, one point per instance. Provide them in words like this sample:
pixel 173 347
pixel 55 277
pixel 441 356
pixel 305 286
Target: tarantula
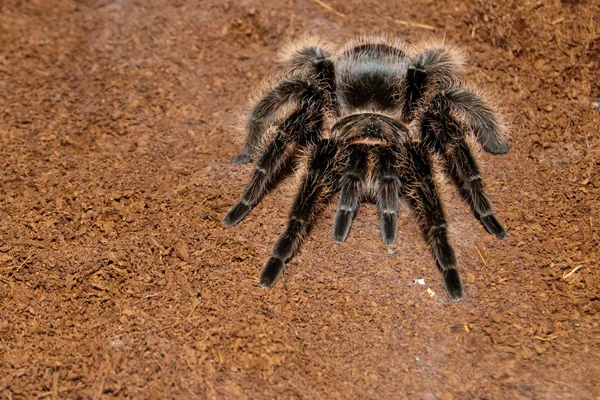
pixel 368 121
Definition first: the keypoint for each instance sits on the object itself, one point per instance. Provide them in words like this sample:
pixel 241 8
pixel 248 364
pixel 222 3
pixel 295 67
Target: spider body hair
pixel 374 120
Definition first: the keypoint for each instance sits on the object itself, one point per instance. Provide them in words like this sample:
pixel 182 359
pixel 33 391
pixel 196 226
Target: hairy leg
pixel 389 191
pixel 478 116
pixel 434 68
pixel 308 201
pixel 421 191
pixel 302 127
pixel 463 169
pixel 442 133
pixel 296 89
pixel 351 188
pixel 313 65
pixel 316 64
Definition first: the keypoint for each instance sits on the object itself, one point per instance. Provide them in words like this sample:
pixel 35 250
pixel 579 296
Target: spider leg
pixel 316 63
pixel 288 90
pixel 312 192
pixel 320 70
pixel 445 135
pixel 302 126
pixel 351 188
pixel 421 191
pixel 264 171
pixel 479 117
pixel 463 169
pixel 389 190
pixel 435 66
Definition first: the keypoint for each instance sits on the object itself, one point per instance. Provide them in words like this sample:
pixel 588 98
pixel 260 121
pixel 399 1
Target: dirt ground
pixel 117 278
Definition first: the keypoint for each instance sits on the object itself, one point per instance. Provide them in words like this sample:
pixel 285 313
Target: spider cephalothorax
pixel 371 117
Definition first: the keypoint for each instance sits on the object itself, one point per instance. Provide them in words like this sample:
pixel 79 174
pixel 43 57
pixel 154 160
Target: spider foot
pixel 389 228
pixel 236 214
pixel 495 145
pixel 342 225
pixel 493 227
pixel 243 157
pixel 271 272
pixel 452 284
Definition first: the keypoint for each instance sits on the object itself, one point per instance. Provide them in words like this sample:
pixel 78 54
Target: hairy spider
pixel 367 121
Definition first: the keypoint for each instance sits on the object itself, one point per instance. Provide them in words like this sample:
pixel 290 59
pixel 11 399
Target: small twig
pixel 60 390
pixel 22 264
pixel 413 24
pixel 328 8
pixel 192 310
pixel 55 386
pixel 158 363
pixel 558 20
pixel 565 276
pixel 481 256
pixel 549 338
pixel 565 383
pixel 320 359
pixel 373 313
pixel 100 390
pixel 176 323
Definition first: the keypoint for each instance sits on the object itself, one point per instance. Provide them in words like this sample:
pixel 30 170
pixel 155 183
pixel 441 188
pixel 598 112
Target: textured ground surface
pixel 118 280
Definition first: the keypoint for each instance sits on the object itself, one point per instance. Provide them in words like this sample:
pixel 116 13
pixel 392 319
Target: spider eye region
pixel 373 127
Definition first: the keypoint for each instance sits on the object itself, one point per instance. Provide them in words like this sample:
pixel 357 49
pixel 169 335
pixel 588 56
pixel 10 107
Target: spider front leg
pixel 351 188
pixel 421 191
pixel 308 201
pixel 265 110
pixel 301 126
pixel 320 71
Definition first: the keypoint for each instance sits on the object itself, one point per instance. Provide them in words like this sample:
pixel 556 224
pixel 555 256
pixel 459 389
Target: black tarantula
pixel 367 121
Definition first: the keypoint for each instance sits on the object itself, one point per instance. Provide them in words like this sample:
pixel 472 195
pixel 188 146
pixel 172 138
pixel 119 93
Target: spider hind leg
pixel 263 113
pixel 300 90
pixel 435 67
pixel 315 63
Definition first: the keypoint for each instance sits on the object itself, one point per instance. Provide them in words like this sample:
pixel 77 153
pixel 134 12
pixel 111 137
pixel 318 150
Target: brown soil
pixel 118 280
